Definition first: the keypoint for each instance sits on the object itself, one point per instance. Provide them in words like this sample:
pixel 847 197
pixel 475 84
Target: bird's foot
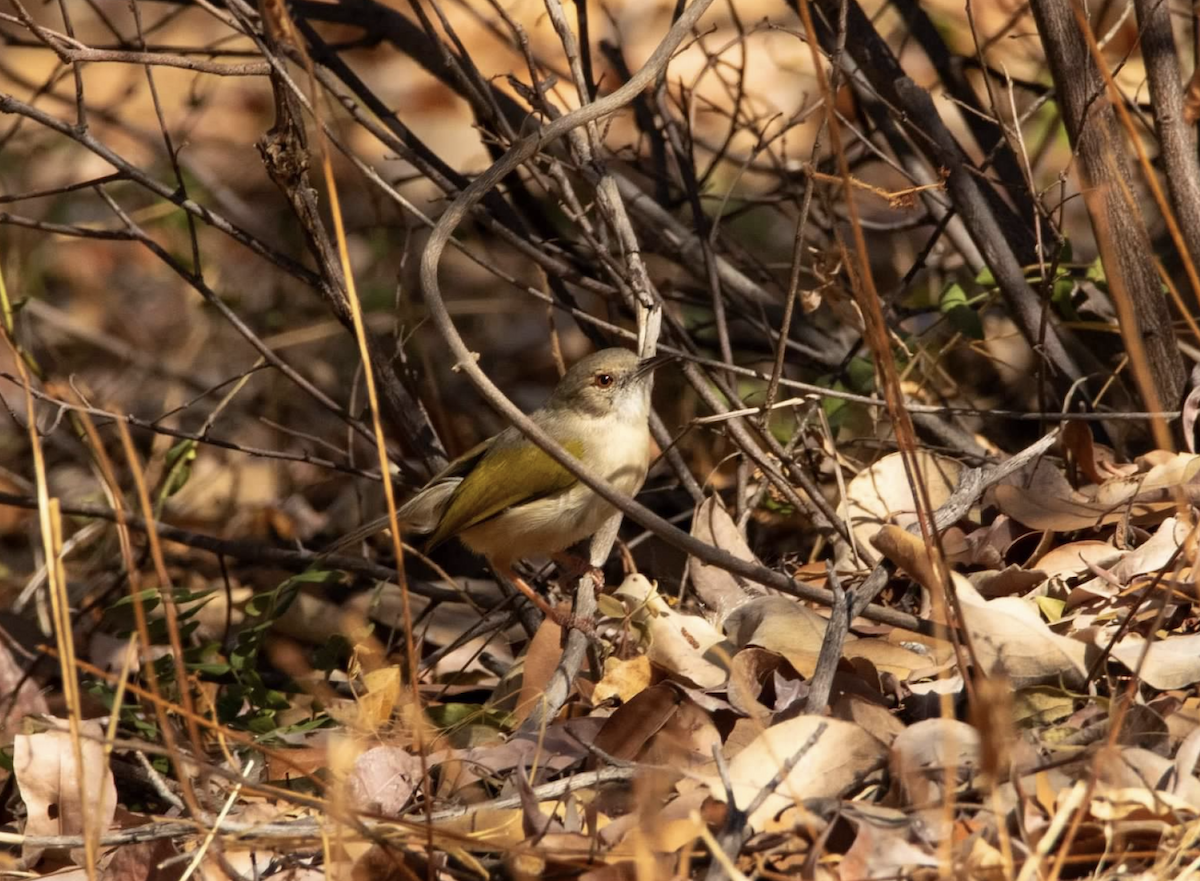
pixel 560 615
pixel 571 568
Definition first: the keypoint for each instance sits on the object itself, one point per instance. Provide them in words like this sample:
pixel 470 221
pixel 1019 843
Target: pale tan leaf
pixel 720 591
pixel 1045 504
pixel 1153 554
pixel 1164 473
pixel 1073 558
pixel 781 625
pixel 21 696
pixel 383 779
pixel 884 846
pixel 1064 514
pixel 61 798
pixel 886 657
pixel 1041 705
pixel 684 645
pixel 839 757
pixel 1009 636
pixel 882 494
pixel 1173 662
pixel 925 752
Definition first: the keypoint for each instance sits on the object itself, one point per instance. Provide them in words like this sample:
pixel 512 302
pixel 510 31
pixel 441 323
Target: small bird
pixel 506 499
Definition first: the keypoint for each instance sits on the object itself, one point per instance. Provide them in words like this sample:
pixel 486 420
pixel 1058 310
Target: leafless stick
pixel 158 59
pixel 157 428
pixel 312 827
pixel 821 684
pixel 250 551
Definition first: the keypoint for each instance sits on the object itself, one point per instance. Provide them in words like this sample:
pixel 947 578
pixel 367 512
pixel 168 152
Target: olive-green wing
pixel 464 463
pixel 506 476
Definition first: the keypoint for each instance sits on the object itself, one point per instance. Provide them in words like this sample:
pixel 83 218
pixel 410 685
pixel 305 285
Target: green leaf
pixel 316 576
pixel 150 600
pixel 262 723
pixel 333 654
pixel 860 373
pixel 1063 298
pixel 985 279
pixel 964 319
pixel 179 468
pixel 610 607
pixel 452 715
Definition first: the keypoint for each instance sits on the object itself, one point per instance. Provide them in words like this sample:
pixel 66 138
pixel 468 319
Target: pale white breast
pixel 619 451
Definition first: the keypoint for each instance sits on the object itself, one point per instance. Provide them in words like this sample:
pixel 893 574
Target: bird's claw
pixel 572 568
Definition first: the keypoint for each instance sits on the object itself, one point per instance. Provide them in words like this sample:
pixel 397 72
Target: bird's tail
pixel 420 514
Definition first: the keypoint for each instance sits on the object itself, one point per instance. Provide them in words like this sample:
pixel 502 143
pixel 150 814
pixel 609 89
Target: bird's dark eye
pixel 603 380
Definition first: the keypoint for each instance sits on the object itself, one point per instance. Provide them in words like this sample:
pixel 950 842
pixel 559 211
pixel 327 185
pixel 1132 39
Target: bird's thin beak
pixel 649 365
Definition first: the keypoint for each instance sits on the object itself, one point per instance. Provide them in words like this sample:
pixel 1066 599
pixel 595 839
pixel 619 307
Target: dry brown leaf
pixel 874 718
pixel 840 757
pixel 908 552
pixel 628 729
pixel 684 645
pixel 383 780
pixel 882 495
pixel 883 846
pixel 1191 404
pixel 751 669
pixel 537 667
pixel 1072 559
pixel 1172 662
pixel 781 625
pixel 380 863
pixel 622 679
pixel 684 744
pixel 561 745
pixel 1012 581
pixel 1009 636
pixel 922 755
pixel 143 861
pixel 60 797
pixel 1076 439
pixel 21 696
pixel 12 518
pixel 720 591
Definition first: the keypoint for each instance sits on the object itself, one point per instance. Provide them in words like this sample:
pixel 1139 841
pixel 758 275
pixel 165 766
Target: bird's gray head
pixel 611 381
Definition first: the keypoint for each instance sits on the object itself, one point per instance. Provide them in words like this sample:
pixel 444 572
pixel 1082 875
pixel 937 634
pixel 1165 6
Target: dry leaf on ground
pixel 834 756
pixel 61 795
